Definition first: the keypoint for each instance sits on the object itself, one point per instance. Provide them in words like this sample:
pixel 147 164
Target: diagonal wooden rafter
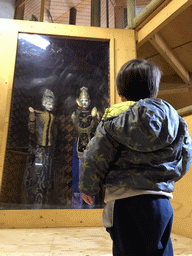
pixel 19 3
pixel 186 111
pixel 161 19
pixel 66 14
pixel 166 52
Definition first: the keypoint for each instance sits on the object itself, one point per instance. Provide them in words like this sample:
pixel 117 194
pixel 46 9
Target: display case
pixel 55 83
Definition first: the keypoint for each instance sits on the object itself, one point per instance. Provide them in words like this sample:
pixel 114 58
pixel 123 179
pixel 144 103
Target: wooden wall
pixel 104 14
pixel 182 201
pixel 60 8
pixel 32 7
pixel 180 99
pixel 59 11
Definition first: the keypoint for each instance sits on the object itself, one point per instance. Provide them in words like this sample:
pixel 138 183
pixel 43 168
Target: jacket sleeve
pixel 97 156
pixel 186 154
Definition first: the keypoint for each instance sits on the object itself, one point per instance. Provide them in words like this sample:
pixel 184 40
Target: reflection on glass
pixel 60 92
pixel 35 39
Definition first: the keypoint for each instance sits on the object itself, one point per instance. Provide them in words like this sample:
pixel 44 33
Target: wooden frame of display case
pixel 122 48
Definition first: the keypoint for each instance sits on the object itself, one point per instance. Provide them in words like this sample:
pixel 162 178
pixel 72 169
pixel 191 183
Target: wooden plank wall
pixel 32 7
pixel 84 16
pixel 61 8
pixel 111 14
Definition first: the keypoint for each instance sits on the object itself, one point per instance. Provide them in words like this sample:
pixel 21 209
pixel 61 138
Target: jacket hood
pixel 117 109
pixel 148 125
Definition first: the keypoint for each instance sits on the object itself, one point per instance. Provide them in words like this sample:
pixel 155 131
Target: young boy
pixel 137 155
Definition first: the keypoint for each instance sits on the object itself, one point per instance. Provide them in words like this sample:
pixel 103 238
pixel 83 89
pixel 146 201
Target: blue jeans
pixel 142 226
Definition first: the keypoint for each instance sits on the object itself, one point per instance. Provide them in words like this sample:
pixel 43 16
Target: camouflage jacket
pixel 146 147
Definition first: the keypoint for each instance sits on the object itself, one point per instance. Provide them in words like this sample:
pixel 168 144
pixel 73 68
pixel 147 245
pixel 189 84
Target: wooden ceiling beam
pixel 173 91
pixel 149 12
pixel 185 111
pixel 166 52
pixel 167 14
pixel 170 86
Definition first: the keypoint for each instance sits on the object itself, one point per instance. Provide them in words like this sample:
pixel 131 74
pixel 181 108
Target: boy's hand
pixel 87 199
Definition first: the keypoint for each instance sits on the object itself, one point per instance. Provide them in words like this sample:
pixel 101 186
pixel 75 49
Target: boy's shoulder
pixel 117 109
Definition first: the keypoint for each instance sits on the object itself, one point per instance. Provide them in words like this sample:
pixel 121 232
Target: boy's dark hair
pixel 138 79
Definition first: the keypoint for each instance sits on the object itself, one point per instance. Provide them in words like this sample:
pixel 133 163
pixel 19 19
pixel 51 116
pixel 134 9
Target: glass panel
pixel 60 92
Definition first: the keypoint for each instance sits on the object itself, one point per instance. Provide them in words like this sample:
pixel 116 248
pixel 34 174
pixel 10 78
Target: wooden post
pixel 42 11
pixel 72 16
pixel 47 15
pixel 130 13
pixel 95 13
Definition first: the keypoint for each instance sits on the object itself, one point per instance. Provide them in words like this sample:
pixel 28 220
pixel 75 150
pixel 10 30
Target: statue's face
pixel 49 105
pixel 85 102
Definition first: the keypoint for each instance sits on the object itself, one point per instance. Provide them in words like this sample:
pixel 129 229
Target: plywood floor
pixel 68 242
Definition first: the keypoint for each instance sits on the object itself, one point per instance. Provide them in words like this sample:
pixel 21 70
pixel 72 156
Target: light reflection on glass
pixel 35 39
